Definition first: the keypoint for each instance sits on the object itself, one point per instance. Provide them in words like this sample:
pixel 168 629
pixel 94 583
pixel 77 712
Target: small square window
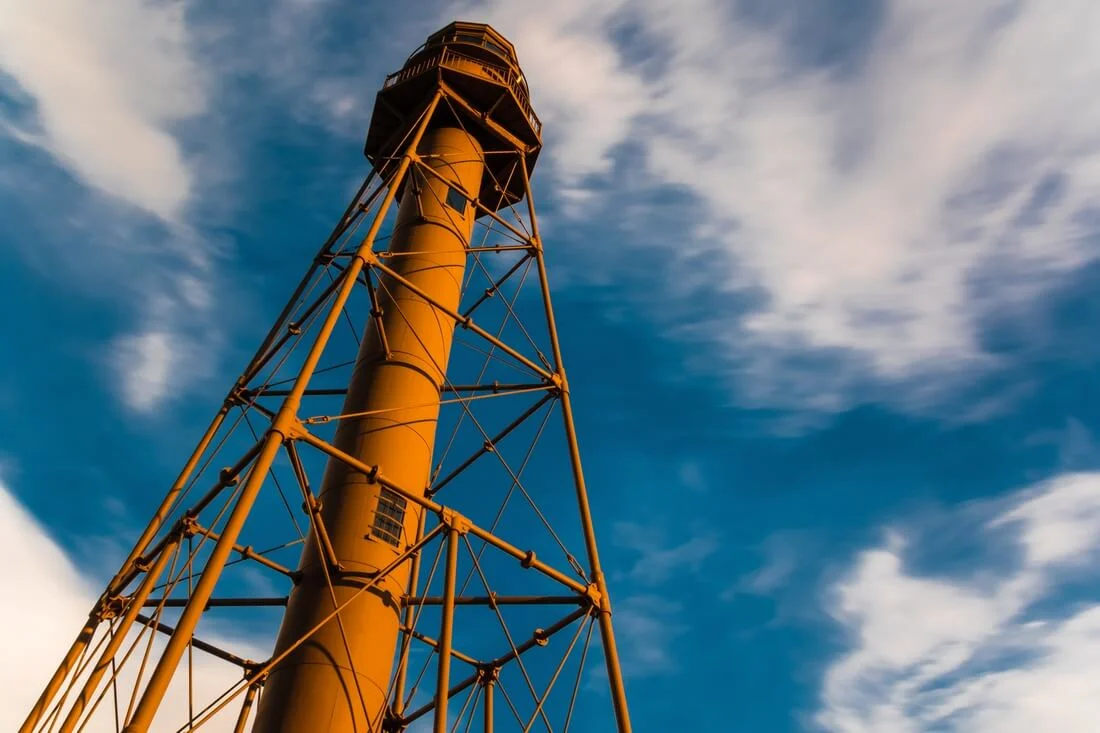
pixel 389 518
pixel 456 200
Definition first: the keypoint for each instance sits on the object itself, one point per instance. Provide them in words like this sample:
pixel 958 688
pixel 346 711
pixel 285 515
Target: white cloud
pixel 47 603
pixel 781 552
pixel 585 94
pixel 170 350
pixel 863 204
pixel 658 558
pixel 146 361
pixel 988 652
pixel 647 627
pixel 106 88
pixel 108 81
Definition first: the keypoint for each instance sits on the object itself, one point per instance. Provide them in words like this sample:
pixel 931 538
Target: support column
pixel 446 633
pixel 337 681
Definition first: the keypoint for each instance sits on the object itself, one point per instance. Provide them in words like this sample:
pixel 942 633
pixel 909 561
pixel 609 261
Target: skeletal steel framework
pixel 463 575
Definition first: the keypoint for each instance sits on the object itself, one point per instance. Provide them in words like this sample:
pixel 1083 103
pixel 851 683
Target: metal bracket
pixel 453 520
pixel 592 593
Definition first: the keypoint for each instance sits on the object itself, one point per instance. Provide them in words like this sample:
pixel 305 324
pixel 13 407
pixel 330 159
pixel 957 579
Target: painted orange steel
pixel 454 139
pixel 338 681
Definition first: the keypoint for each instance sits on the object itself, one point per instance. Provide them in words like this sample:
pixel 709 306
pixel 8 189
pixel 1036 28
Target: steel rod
pixel 607 634
pixel 528 559
pixel 487 712
pixel 446 632
pixel 128 617
pixel 246 708
pixel 218 602
pixel 197 643
pixel 500 601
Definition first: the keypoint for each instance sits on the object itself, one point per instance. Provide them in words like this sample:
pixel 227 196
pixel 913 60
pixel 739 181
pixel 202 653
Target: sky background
pixel 825 276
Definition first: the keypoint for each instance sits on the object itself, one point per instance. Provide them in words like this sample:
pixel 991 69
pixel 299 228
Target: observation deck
pixel 484 93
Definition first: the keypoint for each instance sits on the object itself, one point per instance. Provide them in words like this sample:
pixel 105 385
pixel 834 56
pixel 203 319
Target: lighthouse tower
pixel 386 524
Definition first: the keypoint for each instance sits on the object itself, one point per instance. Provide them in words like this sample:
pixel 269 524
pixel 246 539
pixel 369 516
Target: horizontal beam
pixel 197 643
pixel 463 321
pixel 499 600
pixel 374 473
pixel 489 445
pixel 537 639
pixel 218 602
pixel 454 652
pixel 245 551
pixel 493 387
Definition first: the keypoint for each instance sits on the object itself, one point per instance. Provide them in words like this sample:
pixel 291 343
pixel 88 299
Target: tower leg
pixel 607 634
pixel 246 708
pixel 75 652
pixel 487 713
pixel 119 637
pixel 446 633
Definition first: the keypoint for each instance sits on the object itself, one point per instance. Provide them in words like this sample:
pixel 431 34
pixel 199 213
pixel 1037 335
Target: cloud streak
pixel 659 559
pixel 109 83
pixel 105 92
pixel 877 212
pixel 984 652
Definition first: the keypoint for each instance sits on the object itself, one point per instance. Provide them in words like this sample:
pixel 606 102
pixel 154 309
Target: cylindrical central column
pixel 337 681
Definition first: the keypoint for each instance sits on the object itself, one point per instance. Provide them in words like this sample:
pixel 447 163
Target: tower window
pixel 456 200
pixel 389 518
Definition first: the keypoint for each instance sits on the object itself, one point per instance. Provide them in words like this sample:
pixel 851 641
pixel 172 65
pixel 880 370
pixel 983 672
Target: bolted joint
pixel 286 423
pixel 528 560
pixel 369 258
pixel 487 674
pixel 453 520
pixel 227 477
pixel 250 669
pixel 294 329
pixel 372 475
pixel 189 526
pixel 240 396
pixel 594 597
pixel 393 722
pixel 540 637
pixel 560 384
pixel 311 505
pixel 112 607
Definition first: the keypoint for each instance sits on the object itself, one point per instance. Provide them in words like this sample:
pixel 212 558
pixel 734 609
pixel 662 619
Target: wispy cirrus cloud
pixel 108 83
pixel 104 90
pixel 648 621
pixel 657 557
pixel 649 627
pixel 991 650
pixel 876 210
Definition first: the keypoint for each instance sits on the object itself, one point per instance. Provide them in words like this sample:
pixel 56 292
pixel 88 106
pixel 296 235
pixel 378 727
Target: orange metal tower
pixel 434 578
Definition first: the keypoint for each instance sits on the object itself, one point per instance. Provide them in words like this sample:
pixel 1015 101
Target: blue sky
pixel 825 281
